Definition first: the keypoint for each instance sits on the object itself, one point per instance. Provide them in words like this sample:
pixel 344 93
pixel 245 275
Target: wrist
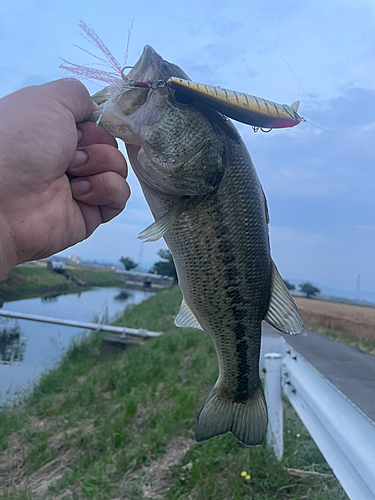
pixel 8 259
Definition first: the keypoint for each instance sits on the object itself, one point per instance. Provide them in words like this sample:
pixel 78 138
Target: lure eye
pixel 182 98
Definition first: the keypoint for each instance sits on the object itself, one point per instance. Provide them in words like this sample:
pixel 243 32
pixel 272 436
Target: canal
pixel 28 348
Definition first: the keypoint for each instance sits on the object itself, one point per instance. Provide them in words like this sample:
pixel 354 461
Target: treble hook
pixel 265 130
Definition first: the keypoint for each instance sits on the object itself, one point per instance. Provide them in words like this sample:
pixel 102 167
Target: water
pixel 27 348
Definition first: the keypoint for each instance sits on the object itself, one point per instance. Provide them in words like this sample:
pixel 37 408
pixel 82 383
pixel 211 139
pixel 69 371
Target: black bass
pixel 208 204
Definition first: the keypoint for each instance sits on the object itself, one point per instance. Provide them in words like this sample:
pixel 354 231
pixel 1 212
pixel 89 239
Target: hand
pixel 60 176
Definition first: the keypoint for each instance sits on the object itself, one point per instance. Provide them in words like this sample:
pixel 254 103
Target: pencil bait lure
pixel 245 108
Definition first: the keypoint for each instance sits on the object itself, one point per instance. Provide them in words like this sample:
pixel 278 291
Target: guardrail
pixel 343 433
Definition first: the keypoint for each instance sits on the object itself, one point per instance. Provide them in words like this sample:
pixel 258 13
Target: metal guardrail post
pixel 272 367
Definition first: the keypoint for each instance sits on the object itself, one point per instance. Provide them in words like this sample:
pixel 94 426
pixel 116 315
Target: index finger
pixel 73 95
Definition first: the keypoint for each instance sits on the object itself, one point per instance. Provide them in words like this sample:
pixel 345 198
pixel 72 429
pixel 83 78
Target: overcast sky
pixel 320 190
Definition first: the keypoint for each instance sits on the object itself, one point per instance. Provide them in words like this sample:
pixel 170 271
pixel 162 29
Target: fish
pixel 209 206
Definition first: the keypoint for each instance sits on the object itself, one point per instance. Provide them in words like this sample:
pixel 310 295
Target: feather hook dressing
pixel 114 75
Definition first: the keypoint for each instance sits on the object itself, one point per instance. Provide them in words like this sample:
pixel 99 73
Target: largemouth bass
pixel 208 204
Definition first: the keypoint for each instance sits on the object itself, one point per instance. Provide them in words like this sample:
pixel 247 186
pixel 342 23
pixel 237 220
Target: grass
pixel 97 278
pixel 26 282
pixel 346 338
pixel 124 428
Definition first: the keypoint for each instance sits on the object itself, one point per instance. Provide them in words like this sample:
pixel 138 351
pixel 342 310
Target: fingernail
pixel 79 134
pixel 79 158
pixel 80 187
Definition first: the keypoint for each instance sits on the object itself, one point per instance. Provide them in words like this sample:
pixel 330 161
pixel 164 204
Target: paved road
pixel 349 369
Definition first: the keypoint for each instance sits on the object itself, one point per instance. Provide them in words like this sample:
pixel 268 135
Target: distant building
pixel 55 264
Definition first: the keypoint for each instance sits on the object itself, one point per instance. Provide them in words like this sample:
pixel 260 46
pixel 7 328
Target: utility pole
pixel 358 289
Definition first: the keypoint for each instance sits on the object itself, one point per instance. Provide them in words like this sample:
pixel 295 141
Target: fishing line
pixel 320 128
pixel 303 90
pixel 340 138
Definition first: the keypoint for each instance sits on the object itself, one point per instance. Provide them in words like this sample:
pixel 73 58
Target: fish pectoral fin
pixel 185 317
pixel 266 208
pixel 159 228
pixel 282 313
pixel 246 420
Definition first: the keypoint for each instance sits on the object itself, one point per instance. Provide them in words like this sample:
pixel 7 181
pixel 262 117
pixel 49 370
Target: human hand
pixel 58 180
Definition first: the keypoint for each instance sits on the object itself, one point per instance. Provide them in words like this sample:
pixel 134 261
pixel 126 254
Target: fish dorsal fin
pixel 295 105
pixel 185 317
pixel 282 311
pixel 159 228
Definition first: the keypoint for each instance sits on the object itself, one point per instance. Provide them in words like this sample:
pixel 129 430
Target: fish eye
pixel 182 98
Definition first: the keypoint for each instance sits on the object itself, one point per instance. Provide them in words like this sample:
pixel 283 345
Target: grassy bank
pixel 27 282
pixel 124 429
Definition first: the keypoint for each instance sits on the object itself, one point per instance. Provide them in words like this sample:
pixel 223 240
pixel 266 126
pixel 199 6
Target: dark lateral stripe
pixel 237 302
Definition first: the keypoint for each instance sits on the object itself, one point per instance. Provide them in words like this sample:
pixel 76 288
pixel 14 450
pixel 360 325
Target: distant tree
pixel 309 289
pixel 166 266
pixel 128 263
pixel 289 286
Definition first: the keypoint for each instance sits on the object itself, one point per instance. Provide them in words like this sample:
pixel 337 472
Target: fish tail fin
pixel 246 420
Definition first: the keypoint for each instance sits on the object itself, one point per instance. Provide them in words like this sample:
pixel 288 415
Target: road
pixel 349 369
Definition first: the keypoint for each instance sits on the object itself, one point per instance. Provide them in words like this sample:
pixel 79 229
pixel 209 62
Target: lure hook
pixel 264 130
pixel 123 76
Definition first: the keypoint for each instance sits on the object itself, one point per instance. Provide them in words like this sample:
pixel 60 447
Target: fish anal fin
pixel 185 318
pixel 282 313
pixel 246 420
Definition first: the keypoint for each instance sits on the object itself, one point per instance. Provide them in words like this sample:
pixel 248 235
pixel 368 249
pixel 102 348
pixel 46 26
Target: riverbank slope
pixel 28 282
pixel 124 428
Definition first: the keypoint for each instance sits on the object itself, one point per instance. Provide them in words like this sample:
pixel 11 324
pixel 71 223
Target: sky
pixel 320 190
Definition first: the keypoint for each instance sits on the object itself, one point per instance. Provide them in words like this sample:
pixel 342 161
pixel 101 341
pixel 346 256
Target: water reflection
pixel 122 296
pixel 12 344
pixel 50 298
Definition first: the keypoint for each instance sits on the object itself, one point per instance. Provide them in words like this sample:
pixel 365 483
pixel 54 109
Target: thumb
pixel 73 95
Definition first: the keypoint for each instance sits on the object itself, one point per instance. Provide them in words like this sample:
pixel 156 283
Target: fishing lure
pixel 245 108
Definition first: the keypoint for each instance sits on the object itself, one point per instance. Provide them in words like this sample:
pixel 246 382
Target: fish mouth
pixel 151 67
pixel 146 69
pixel 148 66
